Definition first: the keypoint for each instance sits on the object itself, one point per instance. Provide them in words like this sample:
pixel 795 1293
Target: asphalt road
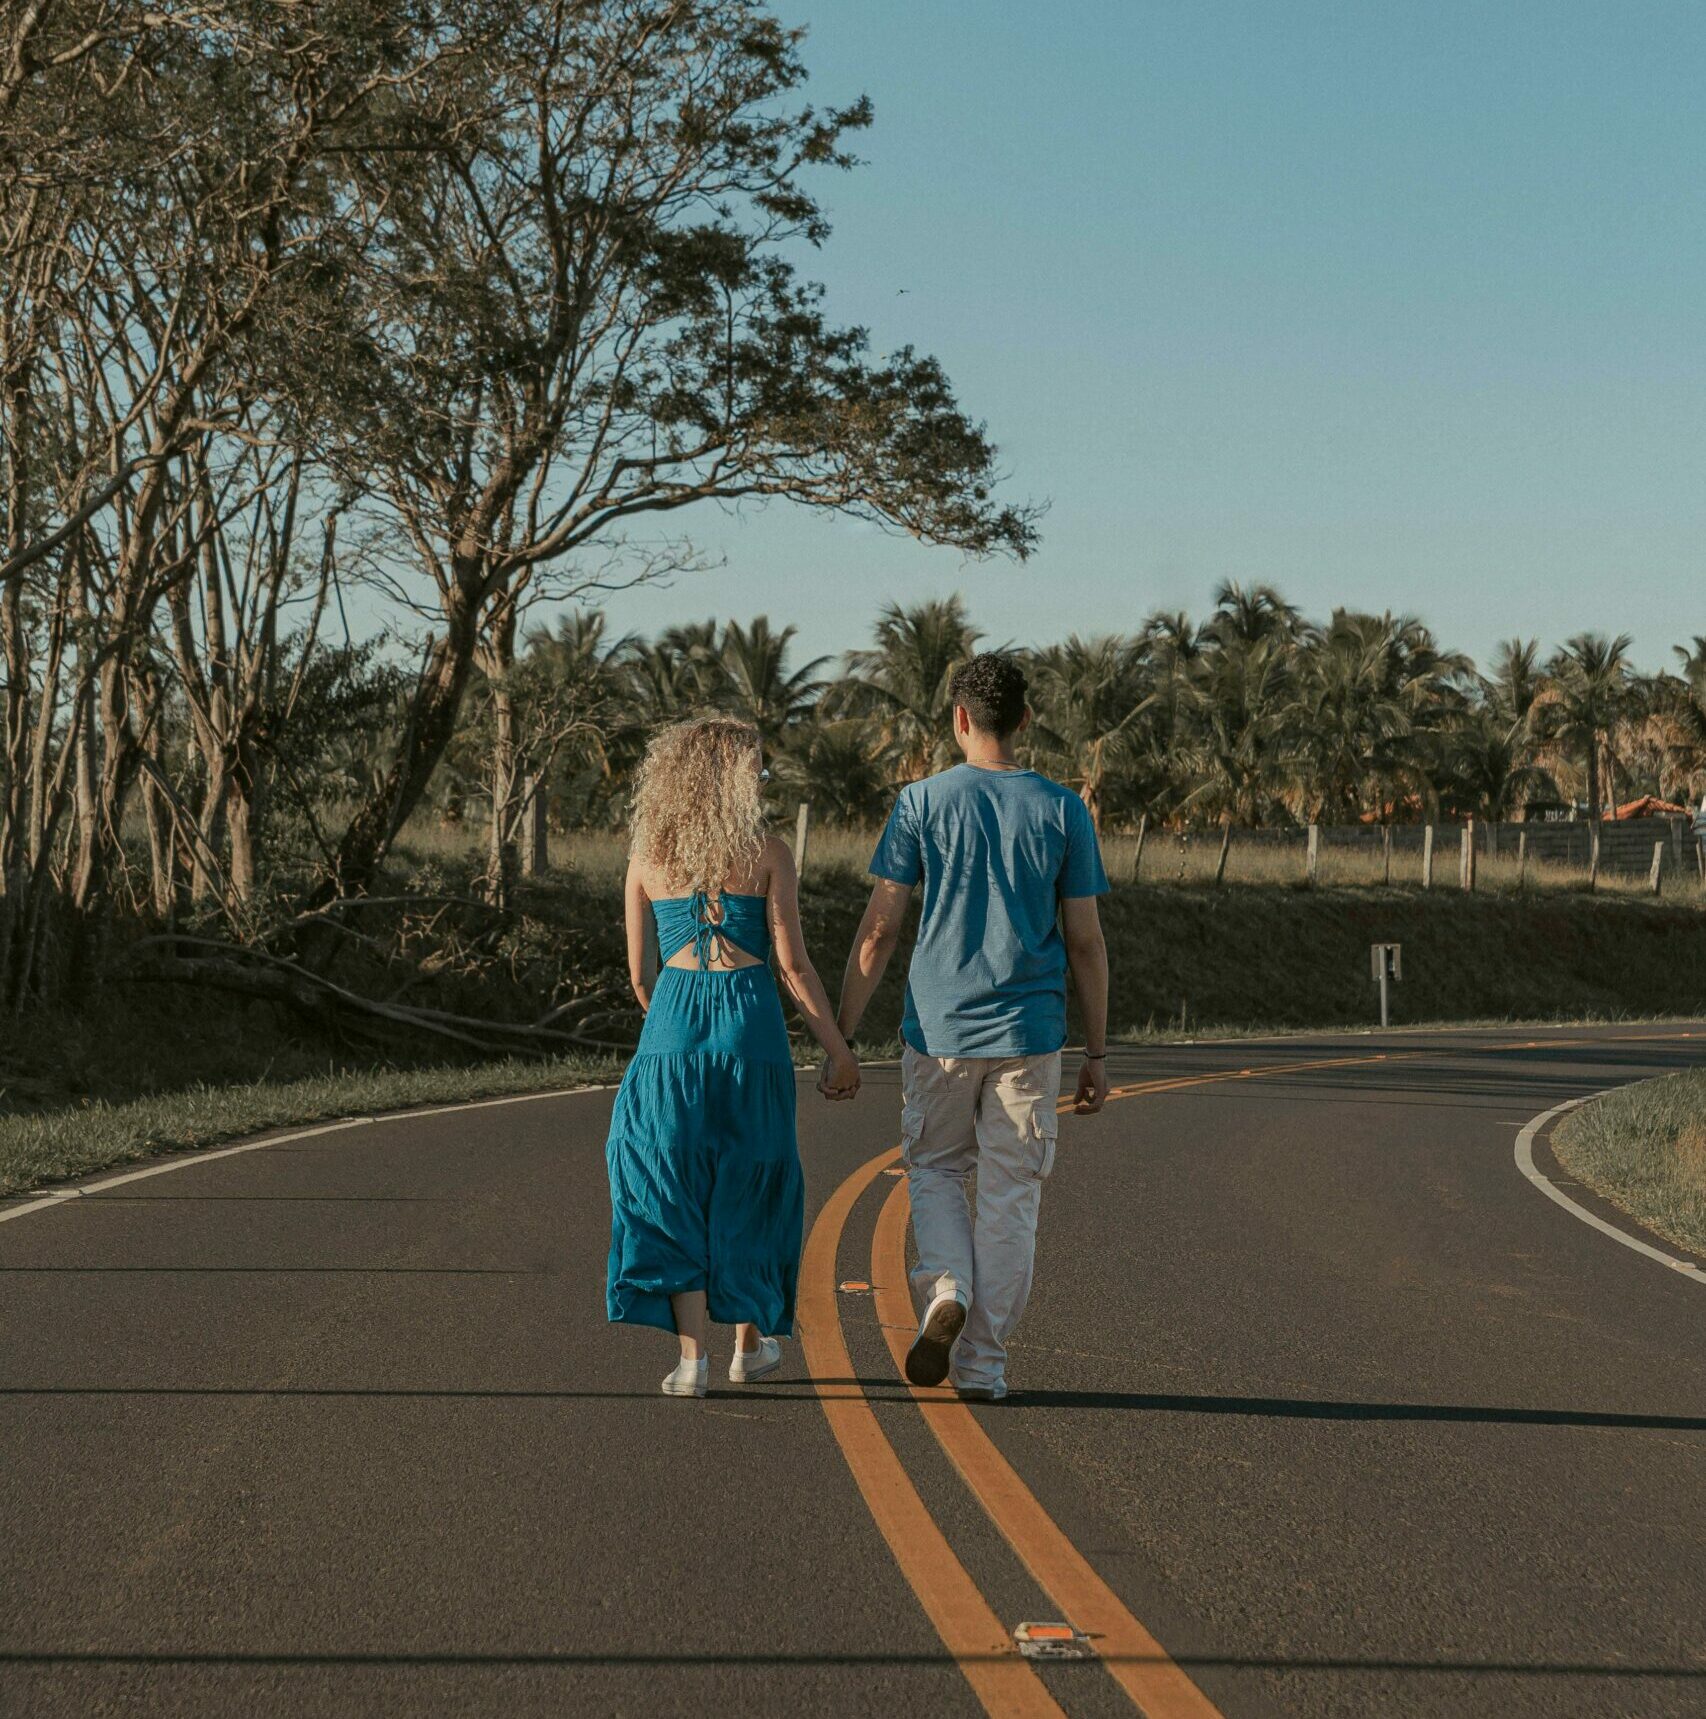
pixel 1334 1402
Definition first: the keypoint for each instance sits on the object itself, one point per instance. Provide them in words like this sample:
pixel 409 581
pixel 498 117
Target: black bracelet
pixel 1095 1056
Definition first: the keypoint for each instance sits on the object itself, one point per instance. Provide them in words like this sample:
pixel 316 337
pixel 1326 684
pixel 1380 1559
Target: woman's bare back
pixel 724 955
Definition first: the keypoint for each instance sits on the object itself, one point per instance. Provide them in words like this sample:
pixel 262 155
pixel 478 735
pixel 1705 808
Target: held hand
pixel 1092 1091
pixel 840 1076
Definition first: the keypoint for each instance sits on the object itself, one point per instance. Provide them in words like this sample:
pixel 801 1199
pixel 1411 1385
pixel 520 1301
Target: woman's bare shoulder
pixel 645 878
pixel 777 859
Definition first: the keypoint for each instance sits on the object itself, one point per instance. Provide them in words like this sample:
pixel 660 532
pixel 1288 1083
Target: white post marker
pixel 1386 960
pixel 802 829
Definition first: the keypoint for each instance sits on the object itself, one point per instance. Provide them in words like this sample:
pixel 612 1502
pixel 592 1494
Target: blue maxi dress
pixel 705 1184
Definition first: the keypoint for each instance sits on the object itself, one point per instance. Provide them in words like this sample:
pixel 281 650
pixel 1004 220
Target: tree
pixel 1492 772
pixel 166 184
pixel 1681 709
pixel 758 683
pixel 902 681
pixel 579 312
pixel 1376 697
pixel 1586 691
pixel 1089 695
pixel 1238 739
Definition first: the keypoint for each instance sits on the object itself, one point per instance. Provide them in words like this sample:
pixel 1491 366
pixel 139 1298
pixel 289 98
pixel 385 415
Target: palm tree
pixel 1239 740
pixel 1681 708
pixel 757 683
pixel 1251 613
pixel 1376 696
pixel 1492 770
pixel 1517 679
pixel 832 763
pixel 1586 691
pixel 903 681
pixel 1088 695
pixel 674 675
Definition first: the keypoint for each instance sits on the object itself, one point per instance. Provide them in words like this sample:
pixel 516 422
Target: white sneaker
pixel 750 1364
pixel 689 1378
pixel 944 1319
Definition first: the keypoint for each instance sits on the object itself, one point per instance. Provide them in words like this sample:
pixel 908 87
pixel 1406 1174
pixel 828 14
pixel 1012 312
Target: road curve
pixel 1325 1410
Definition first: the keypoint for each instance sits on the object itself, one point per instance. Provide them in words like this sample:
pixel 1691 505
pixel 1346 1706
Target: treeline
pixel 1254 715
pixel 452 307
pixel 339 346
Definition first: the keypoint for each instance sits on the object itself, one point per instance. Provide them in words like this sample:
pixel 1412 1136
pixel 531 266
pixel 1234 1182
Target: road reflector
pixel 853 1286
pixel 1052 1641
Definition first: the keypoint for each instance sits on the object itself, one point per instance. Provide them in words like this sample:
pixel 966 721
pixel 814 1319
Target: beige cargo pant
pixel 978 1132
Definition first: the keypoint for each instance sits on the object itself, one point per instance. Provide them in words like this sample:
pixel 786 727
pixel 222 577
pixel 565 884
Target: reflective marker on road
pixel 1052 1641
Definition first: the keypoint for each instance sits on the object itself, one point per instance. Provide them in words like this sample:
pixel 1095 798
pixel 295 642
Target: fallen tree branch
pixel 252 972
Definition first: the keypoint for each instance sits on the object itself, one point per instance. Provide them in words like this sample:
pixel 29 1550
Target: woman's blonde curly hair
pixel 698 803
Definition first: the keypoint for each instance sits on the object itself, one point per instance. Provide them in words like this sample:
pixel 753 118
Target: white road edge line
pixel 1525 1163
pixel 63 1196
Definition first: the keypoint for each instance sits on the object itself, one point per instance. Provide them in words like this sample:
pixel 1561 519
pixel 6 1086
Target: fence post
pixel 802 830
pixel 1313 862
pixel 535 848
pixel 1658 864
pixel 1522 859
pixel 1427 856
pixel 1386 853
pixel 1593 854
pixel 1225 848
pixel 1137 858
pixel 1466 859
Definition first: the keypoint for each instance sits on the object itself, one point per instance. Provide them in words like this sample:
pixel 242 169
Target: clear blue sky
pixel 1394 303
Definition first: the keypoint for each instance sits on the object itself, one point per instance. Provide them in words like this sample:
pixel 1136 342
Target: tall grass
pixel 1188 860
pixel 1644 1148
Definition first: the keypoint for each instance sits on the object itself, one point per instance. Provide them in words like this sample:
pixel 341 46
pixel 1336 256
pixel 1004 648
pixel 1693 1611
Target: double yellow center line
pixel 981 1646
pixel 1005 1683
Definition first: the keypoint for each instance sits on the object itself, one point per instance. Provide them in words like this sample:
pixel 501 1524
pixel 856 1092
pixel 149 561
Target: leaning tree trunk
pixel 245 806
pixel 502 860
pixel 428 728
pixel 161 822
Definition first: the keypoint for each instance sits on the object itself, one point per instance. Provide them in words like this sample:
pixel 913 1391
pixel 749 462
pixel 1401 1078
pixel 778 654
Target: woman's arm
pixel 799 977
pixel 637 907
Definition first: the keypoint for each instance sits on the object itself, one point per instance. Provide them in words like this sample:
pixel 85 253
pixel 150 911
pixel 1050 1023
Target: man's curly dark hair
pixel 992 688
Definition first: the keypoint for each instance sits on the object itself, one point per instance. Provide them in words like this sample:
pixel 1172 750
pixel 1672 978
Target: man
pixel 1011 870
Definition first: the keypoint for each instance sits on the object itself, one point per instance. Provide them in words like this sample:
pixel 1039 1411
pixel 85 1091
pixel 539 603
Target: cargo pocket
pixel 911 1129
pixel 1045 1129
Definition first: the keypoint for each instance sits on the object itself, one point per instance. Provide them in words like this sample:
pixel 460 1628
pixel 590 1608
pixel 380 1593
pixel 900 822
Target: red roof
pixel 1650 806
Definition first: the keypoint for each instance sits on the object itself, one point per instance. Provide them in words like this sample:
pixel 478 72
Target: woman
pixel 705 1188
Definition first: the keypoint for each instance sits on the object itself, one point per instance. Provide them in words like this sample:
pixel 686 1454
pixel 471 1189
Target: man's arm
pixel 879 932
pixel 1087 956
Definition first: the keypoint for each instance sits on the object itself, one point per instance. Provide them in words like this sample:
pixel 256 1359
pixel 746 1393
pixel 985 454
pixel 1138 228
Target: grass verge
pixel 1644 1148
pixel 52 1145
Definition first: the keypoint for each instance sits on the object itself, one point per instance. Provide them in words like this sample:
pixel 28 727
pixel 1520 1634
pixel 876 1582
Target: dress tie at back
pixel 687 919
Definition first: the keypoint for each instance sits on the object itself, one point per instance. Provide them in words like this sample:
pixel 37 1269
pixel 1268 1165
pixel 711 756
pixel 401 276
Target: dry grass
pixel 1272 861
pixel 1644 1148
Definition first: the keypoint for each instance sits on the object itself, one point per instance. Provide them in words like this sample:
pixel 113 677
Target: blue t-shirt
pixel 997 851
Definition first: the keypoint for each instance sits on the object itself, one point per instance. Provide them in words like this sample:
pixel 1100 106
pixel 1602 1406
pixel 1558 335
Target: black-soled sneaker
pixel 943 1321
